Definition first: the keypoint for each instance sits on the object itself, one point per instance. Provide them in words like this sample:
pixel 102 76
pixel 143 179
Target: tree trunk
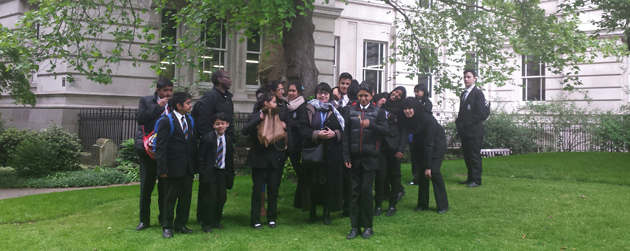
pixel 299 51
pixel 272 62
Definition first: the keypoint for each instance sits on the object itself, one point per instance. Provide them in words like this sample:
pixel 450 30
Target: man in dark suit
pixel 216 168
pixel 365 126
pixel 470 127
pixel 175 150
pixel 149 111
pixel 216 100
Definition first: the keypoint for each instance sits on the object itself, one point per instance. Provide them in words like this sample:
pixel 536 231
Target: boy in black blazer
pixel 365 126
pixel 175 149
pixel 216 172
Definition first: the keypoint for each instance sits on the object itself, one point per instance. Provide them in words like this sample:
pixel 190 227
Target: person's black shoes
pixel 442 211
pixel 473 184
pixel 184 230
pixel 411 183
pixel 272 224
pixel 419 209
pixel 400 195
pixel 167 233
pixel 378 211
pixel 327 220
pixel 464 182
pixel 367 233
pixel 353 233
pixel 207 229
pixel 217 226
pixel 391 211
pixel 142 226
pixel 257 226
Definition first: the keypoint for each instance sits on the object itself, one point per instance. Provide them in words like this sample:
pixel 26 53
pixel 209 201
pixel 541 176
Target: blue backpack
pixel 150 146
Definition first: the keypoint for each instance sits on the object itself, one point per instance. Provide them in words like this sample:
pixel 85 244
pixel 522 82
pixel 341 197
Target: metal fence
pixel 117 124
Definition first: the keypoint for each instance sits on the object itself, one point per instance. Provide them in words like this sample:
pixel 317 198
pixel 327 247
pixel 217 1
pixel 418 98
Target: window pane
pixel 253 44
pixel 251 77
pixel 524 89
pixel 471 61
pixel 213 61
pixel 214 34
pixel 542 89
pixel 533 67
pixel 533 89
pixel 372 54
pixel 426 81
pixel 373 76
pixel 169 26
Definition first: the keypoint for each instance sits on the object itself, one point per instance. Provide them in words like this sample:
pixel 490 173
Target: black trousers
pixel 415 158
pixel 347 189
pixel 178 191
pixel 362 200
pixel 214 200
pixel 387 182
pixel 439 190
pixel 471 147
pixel 381 186
pixel 296 158
pixel 148 176
pixel 260 176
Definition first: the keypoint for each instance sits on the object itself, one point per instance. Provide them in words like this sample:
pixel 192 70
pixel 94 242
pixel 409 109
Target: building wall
pixel 340 32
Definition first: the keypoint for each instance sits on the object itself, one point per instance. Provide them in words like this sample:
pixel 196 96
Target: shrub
pixel 9 140
pixel 611 132
pixel 504 130
pixel 32 158
pixel 39 153
pixel 128 152
pixel 66 148
pixel 128 162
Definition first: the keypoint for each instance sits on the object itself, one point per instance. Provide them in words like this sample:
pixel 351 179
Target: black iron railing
pixel 117 124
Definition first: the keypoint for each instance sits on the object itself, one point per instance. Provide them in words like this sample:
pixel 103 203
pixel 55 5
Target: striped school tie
pixel 185 127
pixel 220 153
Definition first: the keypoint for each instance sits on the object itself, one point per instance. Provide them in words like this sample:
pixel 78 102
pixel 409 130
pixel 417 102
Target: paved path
pixel 6 193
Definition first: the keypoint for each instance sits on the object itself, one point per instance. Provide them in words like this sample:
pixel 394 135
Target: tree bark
pixel 299 51
pixel 272 62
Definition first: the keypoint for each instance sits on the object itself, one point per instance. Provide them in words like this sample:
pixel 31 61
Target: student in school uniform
pixel 366 125
pixel 216 170
pixel 265 162
pixel 175 149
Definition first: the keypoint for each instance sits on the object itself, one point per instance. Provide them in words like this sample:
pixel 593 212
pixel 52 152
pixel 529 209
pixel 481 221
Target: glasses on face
pixel 226 77
pixel 322 93
pixel 280 90
pixel 416 91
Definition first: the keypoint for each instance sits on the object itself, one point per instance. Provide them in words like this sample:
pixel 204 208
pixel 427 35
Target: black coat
pixel 361 145
pixel 147 115
pixel 330 173
pixel 213 102
pixel 206 158
pixel 260 156
pixel 429 139
pixel 469 119
pixel 175 155
pixel 397 135
pixel 296 140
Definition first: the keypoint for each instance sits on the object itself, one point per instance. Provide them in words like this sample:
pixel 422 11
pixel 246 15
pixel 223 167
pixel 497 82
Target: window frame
pixel 381 66
pixel 526 78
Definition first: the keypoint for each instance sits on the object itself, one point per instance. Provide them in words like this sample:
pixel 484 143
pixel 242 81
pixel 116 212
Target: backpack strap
pixel 170 119
pixel 192 121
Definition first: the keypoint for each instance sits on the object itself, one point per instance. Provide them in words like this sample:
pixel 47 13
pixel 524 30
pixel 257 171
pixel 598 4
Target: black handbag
pixel 313 155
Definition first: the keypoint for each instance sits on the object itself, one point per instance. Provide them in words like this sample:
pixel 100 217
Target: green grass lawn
pixel 570 201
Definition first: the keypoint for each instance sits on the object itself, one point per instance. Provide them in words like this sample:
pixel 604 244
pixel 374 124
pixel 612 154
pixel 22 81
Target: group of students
pixel 363 137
